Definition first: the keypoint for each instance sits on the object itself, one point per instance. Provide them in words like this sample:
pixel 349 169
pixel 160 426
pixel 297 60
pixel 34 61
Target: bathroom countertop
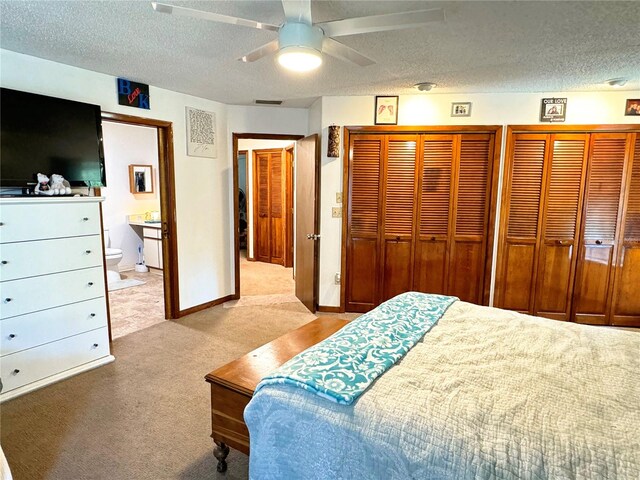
pixel 148 225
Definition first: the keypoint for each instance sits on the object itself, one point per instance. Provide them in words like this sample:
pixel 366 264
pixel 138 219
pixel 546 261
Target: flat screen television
pixel 48 135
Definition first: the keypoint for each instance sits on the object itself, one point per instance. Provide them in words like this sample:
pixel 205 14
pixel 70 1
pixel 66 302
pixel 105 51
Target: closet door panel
pixel 560 226
pixel 434 205
pixel 626 303
pixel 276 209
pixel 362 275
pixel 601 211
pixel 470 217
pixel 262 187
pixel 399 195
pixel 521 215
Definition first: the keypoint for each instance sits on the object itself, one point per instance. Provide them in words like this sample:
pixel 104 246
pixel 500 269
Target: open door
pixel 307 248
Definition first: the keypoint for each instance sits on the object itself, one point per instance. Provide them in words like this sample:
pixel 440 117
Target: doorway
pixel 141 224
pixel 286 157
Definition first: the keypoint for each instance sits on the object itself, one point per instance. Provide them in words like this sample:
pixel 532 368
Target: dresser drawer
pixel 33 329
pixel 41 257
pixel 148 232
pixel 31 365
pixel 27 295
pixel 41 221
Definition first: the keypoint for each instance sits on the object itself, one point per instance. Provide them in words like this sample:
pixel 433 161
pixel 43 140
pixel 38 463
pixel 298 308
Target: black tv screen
pixel 48 135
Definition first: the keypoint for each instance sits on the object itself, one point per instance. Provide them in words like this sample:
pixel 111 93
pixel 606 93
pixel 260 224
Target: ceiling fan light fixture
pixel 299 59
pixel 616 82
pixel 425 86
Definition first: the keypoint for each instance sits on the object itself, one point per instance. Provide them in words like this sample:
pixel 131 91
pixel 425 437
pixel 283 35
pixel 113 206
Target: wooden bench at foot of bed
pixel 233 384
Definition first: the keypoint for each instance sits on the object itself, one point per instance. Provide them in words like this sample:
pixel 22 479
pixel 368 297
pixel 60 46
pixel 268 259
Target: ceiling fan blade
pixel 297 10
pixel 213 17
pixel 341 51
pixel 260 52
pixel 381 23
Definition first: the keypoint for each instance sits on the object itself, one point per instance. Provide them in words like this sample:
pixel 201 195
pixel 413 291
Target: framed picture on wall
pixel 201 133
pixel 141 179
pixel 386 110
pixel 632 107
pixel 461 109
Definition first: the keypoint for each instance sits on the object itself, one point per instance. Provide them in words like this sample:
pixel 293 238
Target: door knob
pixel 598 242
pixel 312 236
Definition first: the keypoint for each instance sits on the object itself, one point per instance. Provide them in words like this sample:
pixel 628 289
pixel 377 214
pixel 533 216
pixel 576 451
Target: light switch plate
pixel 336 212
pixel 338 197
pixel 337 279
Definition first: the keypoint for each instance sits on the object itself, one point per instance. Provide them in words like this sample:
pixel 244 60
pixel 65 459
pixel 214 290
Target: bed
pixel 486 393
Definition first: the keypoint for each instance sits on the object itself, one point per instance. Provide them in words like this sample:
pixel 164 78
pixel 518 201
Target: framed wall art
pixel 141 179
pixel 632 107
pixel 461 109
pixel 553 110
pixel 386 110
pixel 201 133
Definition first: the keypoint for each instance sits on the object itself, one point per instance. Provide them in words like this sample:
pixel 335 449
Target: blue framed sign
pixel 133 94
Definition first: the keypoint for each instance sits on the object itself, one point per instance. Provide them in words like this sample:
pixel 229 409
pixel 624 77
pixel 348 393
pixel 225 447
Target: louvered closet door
pixel 600 228
pixel 469 218
pixel 399 194
pixel 276 196
pixel 262 235
pixel 434 204
pixel 560 225
pixel 626 300
pixel 524 171
pixel 362 289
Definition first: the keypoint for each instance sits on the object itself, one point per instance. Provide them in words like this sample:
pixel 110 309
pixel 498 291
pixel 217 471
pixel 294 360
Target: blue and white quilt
pixel 341 367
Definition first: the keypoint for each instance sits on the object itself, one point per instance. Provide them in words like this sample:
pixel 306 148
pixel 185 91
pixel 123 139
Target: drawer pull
pixel 92 315
pixel 85 219
pixel 1 224
pixel 598 242
pixel 95 345
pixel 16 371
pixel 4 262
pixel 12 335
pixel 7 300
pixel 87 252
pixel 90 284
pixel 433 239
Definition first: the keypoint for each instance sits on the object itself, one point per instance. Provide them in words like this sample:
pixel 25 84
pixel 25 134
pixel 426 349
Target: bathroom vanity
pixel 53 304
pixel 152 240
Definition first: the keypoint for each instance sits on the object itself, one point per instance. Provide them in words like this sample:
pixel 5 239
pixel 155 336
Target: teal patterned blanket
pixel 341 367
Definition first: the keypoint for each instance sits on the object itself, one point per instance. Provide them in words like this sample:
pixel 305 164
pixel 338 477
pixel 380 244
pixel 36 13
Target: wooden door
pixel 434 204
pixel 600 229
pixel 399 190
pixel 363 215
pixel 269 194
pixel 469 218
pixel 560 225
pixel 307 180
pixel 626 297
pixel 520 220
pixel 288 234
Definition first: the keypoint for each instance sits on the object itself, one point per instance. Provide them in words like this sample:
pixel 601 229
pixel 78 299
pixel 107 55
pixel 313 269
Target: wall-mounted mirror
pixel 141 178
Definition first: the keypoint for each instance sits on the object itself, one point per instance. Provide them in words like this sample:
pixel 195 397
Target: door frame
pixel 167 205
pixel 236 216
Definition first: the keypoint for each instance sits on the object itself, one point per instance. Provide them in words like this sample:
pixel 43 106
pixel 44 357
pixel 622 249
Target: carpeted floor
pixel 259 278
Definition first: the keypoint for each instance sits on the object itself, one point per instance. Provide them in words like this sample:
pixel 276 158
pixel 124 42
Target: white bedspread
pixel 486 394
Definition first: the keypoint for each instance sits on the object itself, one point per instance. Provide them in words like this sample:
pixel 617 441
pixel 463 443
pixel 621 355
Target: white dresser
pixel 53 308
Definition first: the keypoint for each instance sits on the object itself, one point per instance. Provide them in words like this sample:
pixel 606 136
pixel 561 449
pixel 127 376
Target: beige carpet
pixel 259 278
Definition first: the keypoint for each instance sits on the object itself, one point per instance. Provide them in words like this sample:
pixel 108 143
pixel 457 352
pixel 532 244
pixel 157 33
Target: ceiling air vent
pixel 268 102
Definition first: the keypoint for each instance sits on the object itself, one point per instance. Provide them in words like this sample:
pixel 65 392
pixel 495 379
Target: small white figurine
pixel 59 185
pixel 43 188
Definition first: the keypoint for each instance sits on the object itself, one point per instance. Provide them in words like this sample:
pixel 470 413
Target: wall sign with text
pixel 553 110
pixel 133 94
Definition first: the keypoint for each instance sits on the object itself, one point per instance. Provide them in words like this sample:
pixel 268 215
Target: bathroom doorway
pixel 139 225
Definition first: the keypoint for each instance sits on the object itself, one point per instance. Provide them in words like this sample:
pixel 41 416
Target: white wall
pixel 435 109
pixel 126 145
pixel 250 145
pixel 203 189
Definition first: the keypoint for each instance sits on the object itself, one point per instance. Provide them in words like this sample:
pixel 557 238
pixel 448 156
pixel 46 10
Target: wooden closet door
pixel 262 207
pixel 276 210
pixel 399 193
pixel 434 204
pixel 469 218
pixel 520 218
pixel 561 220
pixel 600 228
pixel 363 219
pixel 626 299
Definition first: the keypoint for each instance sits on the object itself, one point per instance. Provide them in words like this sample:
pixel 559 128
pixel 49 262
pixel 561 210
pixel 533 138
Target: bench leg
pixel 220 451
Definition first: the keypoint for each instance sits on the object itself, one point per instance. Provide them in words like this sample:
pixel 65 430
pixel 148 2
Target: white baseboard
pixel 55 378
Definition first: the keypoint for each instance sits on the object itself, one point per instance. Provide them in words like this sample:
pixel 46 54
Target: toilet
pixel 112 259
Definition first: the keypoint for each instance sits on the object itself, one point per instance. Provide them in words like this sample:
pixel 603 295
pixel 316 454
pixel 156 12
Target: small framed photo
pixel 553 110
pixel 140 179
pixel 460 109
pixel 386 110
pixel 633 107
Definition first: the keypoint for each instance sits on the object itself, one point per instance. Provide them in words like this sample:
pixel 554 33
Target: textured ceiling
pixel 481 47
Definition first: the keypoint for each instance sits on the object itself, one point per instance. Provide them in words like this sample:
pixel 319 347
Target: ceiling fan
pixel 300 42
